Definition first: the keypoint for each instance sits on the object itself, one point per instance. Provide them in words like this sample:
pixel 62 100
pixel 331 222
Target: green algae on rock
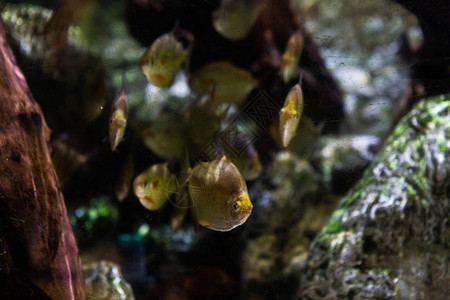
pixel 391 238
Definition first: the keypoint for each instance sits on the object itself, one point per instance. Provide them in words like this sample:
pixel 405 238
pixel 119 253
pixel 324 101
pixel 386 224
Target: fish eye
pixel 236 206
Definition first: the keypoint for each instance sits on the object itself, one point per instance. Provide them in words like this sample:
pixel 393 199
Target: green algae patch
pixel 334 225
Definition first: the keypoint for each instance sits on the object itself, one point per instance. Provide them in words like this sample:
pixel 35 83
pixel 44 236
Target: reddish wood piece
pixel 38 253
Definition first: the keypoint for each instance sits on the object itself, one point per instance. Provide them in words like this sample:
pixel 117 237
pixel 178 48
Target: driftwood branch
pixel 38 253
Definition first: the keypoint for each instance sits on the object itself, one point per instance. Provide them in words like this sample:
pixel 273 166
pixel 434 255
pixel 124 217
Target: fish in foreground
pixel 291 114
pixel 230 84
pixel 162 60
pixel 118 120
pixel 219 195
pixel 291 56
pixel 233 19
pixel 154 186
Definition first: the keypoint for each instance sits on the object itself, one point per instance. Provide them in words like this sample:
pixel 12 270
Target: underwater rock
pixel 104 281
pixel 354 80
pixel 361 45
pixel 341 160
pixel 289 211
pixel 390 238
pixel 291 178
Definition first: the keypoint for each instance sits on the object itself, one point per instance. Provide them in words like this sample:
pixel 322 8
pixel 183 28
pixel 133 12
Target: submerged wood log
pixel 38 253
pixel 390 238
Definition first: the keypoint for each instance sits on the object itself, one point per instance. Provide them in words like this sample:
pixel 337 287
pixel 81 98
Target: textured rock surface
pixel 390 238
pixel 105 281
pixel 360 43
pixel 341 160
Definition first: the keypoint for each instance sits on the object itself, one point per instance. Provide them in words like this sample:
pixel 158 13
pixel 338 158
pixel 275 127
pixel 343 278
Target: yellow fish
pixel 247 161
pixel 162 60
pixel 166 136
pixel 202 120
pixel 154 186
pixel 66 160
pixel 235 18
pixel 291 114
pixel 291 56
pixel 228 83
pixel 124 181
pixel 118 120
pixel 219 195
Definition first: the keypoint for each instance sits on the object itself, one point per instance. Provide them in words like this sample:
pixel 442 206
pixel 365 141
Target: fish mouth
pixel 247 206
pixel 247 209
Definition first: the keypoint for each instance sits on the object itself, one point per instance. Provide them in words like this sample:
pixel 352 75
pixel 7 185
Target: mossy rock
pixel 390 238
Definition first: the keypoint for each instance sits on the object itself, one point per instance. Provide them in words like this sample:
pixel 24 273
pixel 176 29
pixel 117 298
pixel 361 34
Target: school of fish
pixel 214 191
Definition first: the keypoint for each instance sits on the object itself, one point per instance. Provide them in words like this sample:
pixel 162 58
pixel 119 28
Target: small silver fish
pixel 291 56
pixel 118 120
pixel 166 136
pixel 66 160
pixel 123 184
pixel 291 114
pixel 229 83
pixel 246 161
pixel 234 19
pixel 202 120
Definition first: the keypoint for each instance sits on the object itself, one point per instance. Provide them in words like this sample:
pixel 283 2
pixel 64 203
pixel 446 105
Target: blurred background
pixel 356 70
